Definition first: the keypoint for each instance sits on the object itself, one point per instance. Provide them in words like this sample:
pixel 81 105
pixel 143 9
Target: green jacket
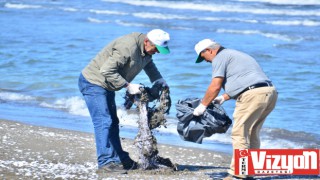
pixel 119 62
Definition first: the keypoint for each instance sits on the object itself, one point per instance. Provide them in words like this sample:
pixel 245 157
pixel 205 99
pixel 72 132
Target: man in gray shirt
pixel 112 69
pixel 243 80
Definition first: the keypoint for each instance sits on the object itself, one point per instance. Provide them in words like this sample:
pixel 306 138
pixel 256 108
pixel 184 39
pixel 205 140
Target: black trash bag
pixel 195 128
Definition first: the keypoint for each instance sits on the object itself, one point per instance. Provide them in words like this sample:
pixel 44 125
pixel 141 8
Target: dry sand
pixel 31 152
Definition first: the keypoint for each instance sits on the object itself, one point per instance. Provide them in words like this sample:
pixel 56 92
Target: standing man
pixel 243 80
pixel 113 68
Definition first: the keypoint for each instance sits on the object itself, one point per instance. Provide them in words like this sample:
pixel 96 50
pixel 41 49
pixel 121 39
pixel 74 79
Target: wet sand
pixel 32 152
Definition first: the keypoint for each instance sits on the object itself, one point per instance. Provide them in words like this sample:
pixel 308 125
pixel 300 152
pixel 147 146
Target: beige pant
pixel 252 108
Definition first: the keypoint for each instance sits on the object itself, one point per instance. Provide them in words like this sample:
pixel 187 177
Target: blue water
pixel 45 44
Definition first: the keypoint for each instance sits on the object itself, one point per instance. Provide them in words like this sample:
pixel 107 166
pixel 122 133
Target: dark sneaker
pixel 112 167
pixel 129 164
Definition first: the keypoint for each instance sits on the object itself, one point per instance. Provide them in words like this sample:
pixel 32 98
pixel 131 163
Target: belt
pixel 258 85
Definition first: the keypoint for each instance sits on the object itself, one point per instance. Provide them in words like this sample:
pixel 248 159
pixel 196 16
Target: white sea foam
pixel 163 16
pixel 129 118
pixel 9 96
pixel 280 144
pixel 234 8
pixel 107 12
pixel 266 141
pixel 94 20
pixel 130 24
pixel 268 35
pixel 159 16
pixel 70 9
pixel 286 2
pixel 123 23
pixel 74 105
pixel 229 19
pixel 21 6
pixel 294 23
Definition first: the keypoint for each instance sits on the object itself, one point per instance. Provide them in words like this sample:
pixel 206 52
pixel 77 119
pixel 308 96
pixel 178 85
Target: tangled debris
pixel 149 119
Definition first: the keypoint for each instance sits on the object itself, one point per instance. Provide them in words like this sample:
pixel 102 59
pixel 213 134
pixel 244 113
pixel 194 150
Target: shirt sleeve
pixel 152 71
pixel 219 67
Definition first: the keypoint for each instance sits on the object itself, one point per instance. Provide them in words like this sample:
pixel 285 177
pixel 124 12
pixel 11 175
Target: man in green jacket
pixel 112 69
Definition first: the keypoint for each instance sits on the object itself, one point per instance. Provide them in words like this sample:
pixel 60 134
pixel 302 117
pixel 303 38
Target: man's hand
pixel 219 100
pixel 162 82
pixel 198 111
pixel 134 88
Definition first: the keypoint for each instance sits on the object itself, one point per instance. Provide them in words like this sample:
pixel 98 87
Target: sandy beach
pixel 32 152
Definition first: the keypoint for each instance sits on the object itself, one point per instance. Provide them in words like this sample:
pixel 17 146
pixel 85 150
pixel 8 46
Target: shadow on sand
pixel 221 175
pixel 196 168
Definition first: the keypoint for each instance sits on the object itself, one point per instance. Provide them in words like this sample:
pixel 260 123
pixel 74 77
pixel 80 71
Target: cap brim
pixel 199 59
pixel 163 50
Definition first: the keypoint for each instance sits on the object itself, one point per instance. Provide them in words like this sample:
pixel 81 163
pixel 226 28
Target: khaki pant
pixel 252 108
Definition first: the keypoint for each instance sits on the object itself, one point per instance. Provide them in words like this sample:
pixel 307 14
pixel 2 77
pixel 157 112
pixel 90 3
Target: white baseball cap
pixel 202 45
pixel 160 38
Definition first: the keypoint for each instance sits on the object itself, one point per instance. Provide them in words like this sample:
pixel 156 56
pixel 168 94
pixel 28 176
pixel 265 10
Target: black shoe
pixel 129 164
pixel 112 167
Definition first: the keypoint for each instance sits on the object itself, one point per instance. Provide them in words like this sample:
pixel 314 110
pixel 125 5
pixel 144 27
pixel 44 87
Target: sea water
pixel 45 44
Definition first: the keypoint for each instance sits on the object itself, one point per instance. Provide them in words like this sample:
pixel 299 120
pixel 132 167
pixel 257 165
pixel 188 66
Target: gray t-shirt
pixel 239 71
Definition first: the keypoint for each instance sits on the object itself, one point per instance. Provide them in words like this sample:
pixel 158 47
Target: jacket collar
pixel 141 43
pixel 220 49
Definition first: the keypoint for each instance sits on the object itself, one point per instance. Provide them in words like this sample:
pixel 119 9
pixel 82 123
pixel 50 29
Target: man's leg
pixel 270 100
pixel 97 103
pixel 250 106
pixel 114 131
pixel 127 162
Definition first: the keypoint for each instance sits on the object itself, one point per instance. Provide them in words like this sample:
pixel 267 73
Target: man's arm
pixel 152 71
pixel 212 91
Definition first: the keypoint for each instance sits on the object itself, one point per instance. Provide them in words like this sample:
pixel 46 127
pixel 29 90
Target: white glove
pixel 198 111
pixel 134 88
pixel 219 100
pixel 162 82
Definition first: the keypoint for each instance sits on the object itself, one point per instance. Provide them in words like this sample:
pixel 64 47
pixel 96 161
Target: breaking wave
pixel 265 34
pixel 270 137
pixel 231 8
pixel 22 6
pixel 286 2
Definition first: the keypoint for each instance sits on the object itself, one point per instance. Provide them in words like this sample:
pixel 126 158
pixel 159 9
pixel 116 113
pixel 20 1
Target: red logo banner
pixel 277 161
